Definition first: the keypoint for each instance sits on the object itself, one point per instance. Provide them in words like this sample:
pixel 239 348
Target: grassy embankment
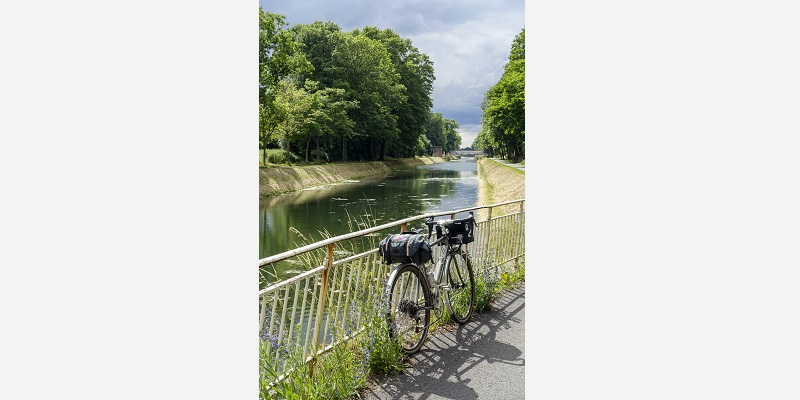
pixel 499 183
pixel 284 179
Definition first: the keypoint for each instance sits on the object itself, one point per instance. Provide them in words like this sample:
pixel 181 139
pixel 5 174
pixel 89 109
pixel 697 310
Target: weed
pixel 336 374
pixel 383 353
pixel 483 294
pixel 363 344
pixel 364 347
pixel 513 278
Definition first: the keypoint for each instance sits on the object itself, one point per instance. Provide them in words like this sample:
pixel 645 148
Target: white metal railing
pixel 303 312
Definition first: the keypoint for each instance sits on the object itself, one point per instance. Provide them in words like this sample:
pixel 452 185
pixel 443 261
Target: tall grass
pixel 336 374
pixel 491 281
pixel 363 347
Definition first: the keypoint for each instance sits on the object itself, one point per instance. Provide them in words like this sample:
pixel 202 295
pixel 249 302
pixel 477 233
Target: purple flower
pixel 273 339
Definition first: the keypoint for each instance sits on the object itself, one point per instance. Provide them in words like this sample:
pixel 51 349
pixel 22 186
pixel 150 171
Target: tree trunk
pixel 288 152
pixel 308 141
pixel 318 158
pixel 371 149
pixel 344 149
pixel 383 148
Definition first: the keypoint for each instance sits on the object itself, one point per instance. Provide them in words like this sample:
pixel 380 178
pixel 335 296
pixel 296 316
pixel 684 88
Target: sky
pixel 468 42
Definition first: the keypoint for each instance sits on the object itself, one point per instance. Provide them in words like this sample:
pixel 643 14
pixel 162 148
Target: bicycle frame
pixel 436 282
pixel 440 266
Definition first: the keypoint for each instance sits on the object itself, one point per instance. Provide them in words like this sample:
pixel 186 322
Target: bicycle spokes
pixel 461 284
pixel 410 308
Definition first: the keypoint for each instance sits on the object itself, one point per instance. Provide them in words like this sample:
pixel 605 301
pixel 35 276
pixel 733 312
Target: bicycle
pixel 414 290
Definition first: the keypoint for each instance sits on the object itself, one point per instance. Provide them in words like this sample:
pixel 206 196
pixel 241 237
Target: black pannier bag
pixel 463 228
pixel 405 248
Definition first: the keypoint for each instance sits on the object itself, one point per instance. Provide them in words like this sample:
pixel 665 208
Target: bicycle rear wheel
pixel 409 307
pixel 460 294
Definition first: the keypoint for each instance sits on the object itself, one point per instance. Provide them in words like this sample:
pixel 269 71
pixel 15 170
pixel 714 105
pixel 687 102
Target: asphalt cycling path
pixel 483 359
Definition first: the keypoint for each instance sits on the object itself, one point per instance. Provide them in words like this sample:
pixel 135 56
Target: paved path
pixel 484 359
pixel 504 162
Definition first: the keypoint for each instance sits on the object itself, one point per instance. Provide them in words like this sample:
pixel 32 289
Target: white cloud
pixel 468 59
pixel 468 41
pixel 468 133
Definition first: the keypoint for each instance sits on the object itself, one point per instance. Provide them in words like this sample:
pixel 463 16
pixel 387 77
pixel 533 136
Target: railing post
pixel 263 314
pixel 488 238
pixel 403 228
pixel 520 233
pixel 323 291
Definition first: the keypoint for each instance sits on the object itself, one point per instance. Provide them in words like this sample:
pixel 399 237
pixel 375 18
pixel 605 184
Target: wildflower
pixel 272 339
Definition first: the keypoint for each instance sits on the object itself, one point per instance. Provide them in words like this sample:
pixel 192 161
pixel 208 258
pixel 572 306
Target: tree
pixel 442 132
pixel 423 146
pixel 357 95
pixel 416 75
pixel 434 130
pixel 296 104
pixel 318 41
pixel 452 138
pixel 327 115
pixel 363 69
pixel 503 119
pixel 278 57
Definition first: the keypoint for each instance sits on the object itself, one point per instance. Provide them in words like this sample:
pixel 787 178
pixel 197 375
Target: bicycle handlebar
pixel 429 222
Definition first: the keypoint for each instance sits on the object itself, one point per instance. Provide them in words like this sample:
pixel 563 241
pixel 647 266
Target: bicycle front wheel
pixel 409 307
pixel 460 290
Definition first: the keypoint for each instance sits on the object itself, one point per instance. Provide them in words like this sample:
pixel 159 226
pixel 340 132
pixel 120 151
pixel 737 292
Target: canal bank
pixel 278 180
pixel 499 183
pixel 290 220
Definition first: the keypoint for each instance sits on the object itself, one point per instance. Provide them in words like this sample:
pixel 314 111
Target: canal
pixel 292 220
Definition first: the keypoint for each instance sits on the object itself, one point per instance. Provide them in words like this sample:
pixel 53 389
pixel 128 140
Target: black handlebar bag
pixel 463 228
pixel 405 248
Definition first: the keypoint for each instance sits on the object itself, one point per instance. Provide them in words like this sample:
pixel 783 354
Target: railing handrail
pixel 313 246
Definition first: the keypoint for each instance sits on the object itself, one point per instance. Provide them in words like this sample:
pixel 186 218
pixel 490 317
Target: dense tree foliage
pixel 415 71
pixel 503 121
pixel 363 69
pixel 359 95
pixel 442 132
pixel 278 58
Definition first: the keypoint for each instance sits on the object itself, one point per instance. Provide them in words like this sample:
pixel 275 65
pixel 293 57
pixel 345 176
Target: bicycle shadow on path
pixel 481 359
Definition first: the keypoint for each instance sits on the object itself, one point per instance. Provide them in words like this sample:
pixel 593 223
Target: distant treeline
pixel 329 95
pixel 503 121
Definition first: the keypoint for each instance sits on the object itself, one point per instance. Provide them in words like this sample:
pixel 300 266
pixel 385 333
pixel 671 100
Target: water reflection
pixel 289 221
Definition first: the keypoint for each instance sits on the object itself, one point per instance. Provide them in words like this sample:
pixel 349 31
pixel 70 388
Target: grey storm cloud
pixel 468 42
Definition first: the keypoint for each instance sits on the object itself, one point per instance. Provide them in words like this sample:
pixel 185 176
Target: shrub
pixel 278 156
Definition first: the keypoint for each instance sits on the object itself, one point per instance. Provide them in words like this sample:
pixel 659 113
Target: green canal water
pixel 342 208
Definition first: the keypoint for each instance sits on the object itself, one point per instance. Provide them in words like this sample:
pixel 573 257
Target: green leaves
pixel 364 70
pixel 278 58
pixel 503 120
pixel 442 132
pixel 370 92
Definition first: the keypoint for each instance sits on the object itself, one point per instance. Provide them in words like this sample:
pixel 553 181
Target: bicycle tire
pixel 460 294
pixel 409 307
